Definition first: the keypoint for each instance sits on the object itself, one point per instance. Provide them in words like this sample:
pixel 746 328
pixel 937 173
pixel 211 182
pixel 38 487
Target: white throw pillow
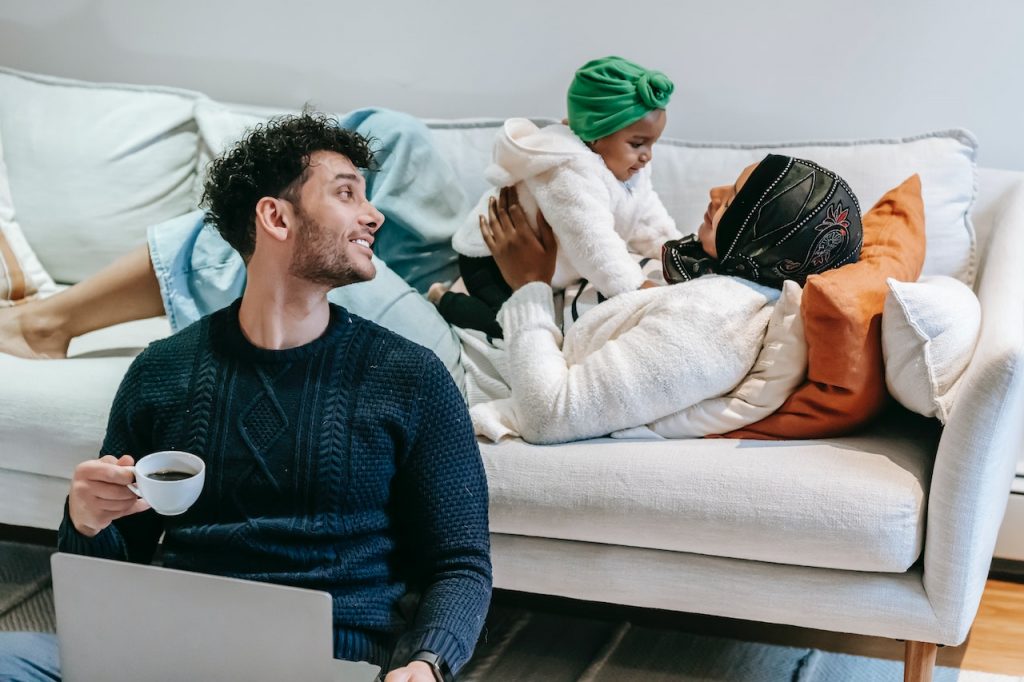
pixel 929 331
pixel 92 165
pixel 21 275
pixel 779 369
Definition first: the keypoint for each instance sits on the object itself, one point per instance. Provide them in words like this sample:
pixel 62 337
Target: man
pixel 339 456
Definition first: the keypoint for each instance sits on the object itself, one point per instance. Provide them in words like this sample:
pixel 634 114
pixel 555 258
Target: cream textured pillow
pixel 21 276
pixel 929 330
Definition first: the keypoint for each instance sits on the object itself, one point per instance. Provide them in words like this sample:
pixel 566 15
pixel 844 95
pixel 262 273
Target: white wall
pixel 745 70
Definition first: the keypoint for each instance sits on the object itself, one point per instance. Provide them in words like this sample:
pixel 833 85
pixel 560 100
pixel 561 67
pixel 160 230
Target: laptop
pixel 121 621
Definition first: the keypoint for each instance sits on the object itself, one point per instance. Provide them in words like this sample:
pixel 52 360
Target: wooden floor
pixel 995 643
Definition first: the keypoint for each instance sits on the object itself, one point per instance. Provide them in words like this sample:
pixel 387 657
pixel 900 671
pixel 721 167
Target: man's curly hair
pixel 272 161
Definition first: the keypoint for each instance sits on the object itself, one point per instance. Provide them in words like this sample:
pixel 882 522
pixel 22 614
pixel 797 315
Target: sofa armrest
pixel 995 189
pixel 978 451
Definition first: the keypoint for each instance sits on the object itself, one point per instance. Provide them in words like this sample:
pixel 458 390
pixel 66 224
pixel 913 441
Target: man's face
pixel 336 224
pixel 721 198
pixel 628 150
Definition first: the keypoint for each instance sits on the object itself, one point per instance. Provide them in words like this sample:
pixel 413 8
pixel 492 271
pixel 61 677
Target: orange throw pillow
pixel 842 313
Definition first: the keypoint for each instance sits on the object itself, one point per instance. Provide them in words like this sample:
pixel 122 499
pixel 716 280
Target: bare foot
pixel 26 334
pixel 436 291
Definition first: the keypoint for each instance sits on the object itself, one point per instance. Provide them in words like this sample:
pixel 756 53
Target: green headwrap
pixel 608 94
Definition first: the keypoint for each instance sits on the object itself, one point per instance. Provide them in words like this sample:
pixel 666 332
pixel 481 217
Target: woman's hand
pixel 521 255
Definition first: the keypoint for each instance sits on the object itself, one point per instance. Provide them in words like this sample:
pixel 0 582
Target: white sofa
pixel 889 532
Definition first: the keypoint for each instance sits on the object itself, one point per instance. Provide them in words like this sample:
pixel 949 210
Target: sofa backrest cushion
pixel 222 125
pixel 467 145
pixel 842 312
pixel 683 172
pixel 91 166
pixel 945 162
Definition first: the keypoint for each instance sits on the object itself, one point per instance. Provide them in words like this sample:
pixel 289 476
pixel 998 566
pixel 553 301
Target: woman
pixel 647 354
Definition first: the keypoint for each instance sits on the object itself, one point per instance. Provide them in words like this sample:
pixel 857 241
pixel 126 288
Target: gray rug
pixel 548 646
pixel 529 645
pixel 26 600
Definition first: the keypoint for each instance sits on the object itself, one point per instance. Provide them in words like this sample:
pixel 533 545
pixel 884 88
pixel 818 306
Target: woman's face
pixel 627 151
pixel 721 197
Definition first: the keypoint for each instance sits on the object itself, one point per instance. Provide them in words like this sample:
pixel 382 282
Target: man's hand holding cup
pixel 105 489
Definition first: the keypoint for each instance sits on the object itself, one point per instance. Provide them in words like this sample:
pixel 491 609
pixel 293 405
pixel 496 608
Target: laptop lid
pixel 121 621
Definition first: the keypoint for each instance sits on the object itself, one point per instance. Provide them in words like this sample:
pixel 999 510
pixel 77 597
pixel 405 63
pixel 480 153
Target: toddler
pixel 590 179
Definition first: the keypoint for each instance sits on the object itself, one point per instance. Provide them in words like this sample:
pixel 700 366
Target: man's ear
pixel 274 218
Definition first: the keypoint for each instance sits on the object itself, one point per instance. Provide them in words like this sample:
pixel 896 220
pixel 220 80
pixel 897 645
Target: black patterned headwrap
pixel 792 218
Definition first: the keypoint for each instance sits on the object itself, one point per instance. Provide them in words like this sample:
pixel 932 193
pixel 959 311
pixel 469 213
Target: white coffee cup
pixel 169 497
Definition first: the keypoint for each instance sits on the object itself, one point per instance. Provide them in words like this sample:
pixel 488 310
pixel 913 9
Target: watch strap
pixel 442 673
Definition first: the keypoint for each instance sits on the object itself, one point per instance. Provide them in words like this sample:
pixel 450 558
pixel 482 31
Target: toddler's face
pixel 628 150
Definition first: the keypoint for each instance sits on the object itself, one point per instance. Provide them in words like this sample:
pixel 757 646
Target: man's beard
pixel 321 259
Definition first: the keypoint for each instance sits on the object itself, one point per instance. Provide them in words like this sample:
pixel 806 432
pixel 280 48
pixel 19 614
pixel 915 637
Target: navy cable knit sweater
pixel 346 465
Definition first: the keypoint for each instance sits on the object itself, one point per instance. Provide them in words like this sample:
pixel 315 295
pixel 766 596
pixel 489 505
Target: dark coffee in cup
pixel 170 480
pixel 170 475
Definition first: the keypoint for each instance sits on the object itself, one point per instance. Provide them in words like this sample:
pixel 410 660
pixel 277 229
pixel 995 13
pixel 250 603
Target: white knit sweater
pixel 627 363
pixel 596 218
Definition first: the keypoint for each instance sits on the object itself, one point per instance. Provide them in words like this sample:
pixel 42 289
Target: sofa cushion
pixel 22 277
pixel 55 411
pixel 855 503
pixel 842 311
pixel 929 330
pixel 91 166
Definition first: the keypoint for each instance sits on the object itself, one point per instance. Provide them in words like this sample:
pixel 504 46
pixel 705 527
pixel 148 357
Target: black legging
pixel 487 289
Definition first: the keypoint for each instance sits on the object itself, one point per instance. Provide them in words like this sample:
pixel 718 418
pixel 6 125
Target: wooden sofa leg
pixel 919 661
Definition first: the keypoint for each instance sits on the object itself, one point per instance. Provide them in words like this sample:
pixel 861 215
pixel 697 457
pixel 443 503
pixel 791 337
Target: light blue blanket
pixel 418 193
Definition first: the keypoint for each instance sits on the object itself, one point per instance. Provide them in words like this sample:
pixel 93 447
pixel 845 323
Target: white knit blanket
pixel 627 363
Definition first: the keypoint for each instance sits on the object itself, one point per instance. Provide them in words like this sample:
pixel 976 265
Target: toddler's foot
pixel 437 290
